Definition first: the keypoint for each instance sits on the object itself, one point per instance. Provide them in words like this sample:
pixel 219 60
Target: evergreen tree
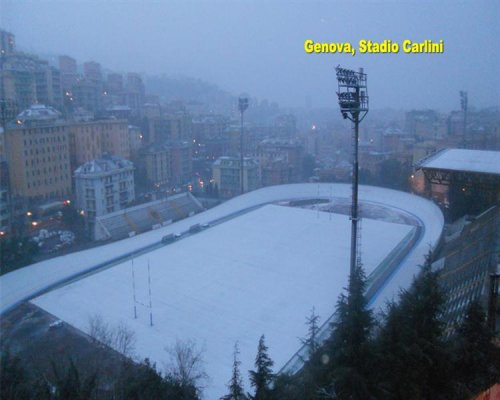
pixel 305 382
pixel 144 382
pixel 13 378
pixel 312 332
pixel 262 377
pixel 16 252
pixel 303 385
pixel 413 355
pixel 71 386
pixel 350 362
pixel 477 363
pixel 235 385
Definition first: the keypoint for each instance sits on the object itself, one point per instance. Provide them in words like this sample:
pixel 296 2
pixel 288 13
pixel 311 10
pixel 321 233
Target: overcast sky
pixel 257 46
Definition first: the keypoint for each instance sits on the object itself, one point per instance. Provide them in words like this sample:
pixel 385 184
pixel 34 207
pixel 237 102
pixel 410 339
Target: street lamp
pixel 353 101
pixel 242 106
pixel 463 103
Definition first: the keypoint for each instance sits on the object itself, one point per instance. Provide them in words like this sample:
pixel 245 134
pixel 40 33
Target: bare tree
pixel 124 340
pixel 186 364
pixel 121 337
pixel 100 331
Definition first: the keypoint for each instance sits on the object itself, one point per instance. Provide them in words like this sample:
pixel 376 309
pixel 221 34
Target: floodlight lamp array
pixel 352 93
pixel 242 104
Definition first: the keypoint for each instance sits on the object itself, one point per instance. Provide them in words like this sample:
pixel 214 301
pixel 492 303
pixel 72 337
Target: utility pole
pixel 464 100
pixel 242 106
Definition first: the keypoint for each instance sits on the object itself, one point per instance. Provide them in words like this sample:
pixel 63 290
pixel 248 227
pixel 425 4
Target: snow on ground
pixel 259 273
pixel 23 283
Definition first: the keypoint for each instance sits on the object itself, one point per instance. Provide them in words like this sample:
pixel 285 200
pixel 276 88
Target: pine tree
pixel 312 332
pixel 71 385
pixel 235 385
pixel 413 355
pixel 13 378
pixel 477 362
pixel 349 366
pixel 305 382
pixel 262 377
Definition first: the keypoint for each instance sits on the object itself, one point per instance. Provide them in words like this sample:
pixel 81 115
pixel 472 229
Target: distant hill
pixel 190 91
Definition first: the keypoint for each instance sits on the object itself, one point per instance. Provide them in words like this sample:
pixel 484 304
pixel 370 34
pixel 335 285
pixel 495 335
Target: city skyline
pixel 259 48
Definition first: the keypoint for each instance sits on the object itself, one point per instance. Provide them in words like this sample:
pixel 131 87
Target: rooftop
pixel 107 163
pixel 38 112
pixel 479 161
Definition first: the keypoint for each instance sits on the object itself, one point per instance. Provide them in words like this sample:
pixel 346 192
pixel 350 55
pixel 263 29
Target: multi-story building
pixel 90 139
pixel 155 163
pixel 207 127
pixel 425 125
pixel 4 211
pixel 226 174
pixel 181 162
pixel 114 84
pixel 276 172
pixel 134 93
pixel 285 126
pixel 281 161
pixel 87 94
pixel 113 93
pixel 48 86
pixel 92 71
pixel 18 86
pixel 168 127
pixel 104 185
pixel 25 80
pixel 69 72
pixel 38 155
pixel 135 138
pixel 7 42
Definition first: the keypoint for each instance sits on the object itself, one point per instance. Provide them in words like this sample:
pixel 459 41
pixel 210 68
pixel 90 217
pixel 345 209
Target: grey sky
pixel 257 46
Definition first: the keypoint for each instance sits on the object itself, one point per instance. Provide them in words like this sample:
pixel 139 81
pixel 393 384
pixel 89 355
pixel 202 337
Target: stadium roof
pixel 477 161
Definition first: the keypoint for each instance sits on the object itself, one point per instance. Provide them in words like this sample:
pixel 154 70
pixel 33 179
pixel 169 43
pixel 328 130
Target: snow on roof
pixel 107 163
pixel 480 161
pixel 38 112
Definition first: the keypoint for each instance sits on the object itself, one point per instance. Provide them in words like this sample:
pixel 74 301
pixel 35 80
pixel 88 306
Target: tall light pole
pixel 353 101
pixel 242 106
pixel 463 103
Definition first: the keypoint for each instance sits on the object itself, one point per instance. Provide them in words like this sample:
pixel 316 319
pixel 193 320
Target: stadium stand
pixel 144 217
pixel 469 256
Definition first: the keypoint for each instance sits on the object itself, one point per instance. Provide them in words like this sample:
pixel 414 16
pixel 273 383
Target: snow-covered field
pixel 259 273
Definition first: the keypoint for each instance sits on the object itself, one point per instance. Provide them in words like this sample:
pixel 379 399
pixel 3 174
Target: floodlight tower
pixel 463 103
pixel 242 106
pixel 353 101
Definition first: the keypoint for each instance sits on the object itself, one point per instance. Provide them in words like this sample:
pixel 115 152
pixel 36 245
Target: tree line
pixel 404 353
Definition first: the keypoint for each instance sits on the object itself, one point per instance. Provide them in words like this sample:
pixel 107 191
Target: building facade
pixel 155 160
pixel 38 155
pixel 104 185
pixel 226 175
pixel 90 139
